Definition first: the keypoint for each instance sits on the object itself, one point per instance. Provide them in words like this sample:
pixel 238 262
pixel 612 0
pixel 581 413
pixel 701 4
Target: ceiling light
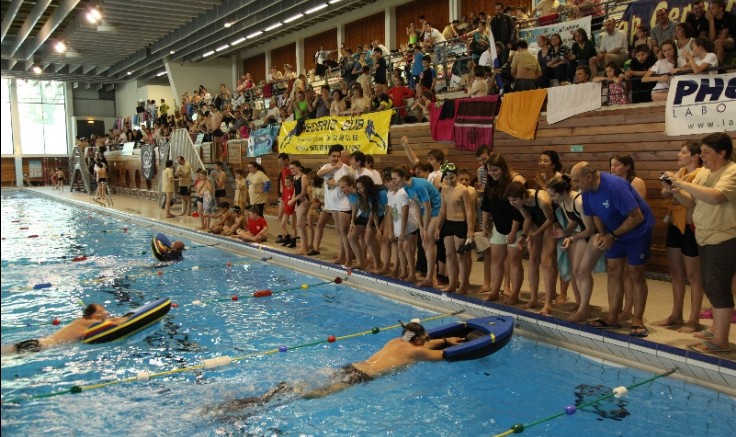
pixel 36 69
pixel 94 15
pixel 172 52
pixel 210 53
pixel 332 2
pixel 238 41
pixel 129 73
pixel 161 74
pixel 293 17
pixel 221 48
pixel 254 34
pixel 316 8
pixel 228 24
pixel 273 26
pixel 60 47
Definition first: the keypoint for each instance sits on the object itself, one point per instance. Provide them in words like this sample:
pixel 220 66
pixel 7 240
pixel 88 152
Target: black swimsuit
pixel 354 376
pixel 574 216
pixel 536 212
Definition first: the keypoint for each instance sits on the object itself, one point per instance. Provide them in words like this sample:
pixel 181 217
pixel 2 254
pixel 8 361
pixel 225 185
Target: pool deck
pixel 663 349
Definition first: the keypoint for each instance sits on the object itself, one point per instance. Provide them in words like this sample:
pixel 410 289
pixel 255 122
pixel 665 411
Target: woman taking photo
pixel 682 248
pixel 713 195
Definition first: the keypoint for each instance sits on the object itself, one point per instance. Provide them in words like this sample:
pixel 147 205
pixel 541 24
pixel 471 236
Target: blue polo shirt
pixel 421 190
pixel 612 203
pixel 382 202
pixel 417 67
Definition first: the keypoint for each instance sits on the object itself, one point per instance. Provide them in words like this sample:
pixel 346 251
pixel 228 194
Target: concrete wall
pixel 128 95
pixel 186 77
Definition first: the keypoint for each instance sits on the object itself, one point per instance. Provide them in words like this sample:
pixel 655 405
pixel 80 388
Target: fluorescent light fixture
pixel 332 2
pixel 222 47
pixel 129 73
pixel 273 26
pixel 254 34
pixel 228 24
pixel 36 69
pixel 172 52
pixel 238 41
pixel 94 15
pixel 210 53
pixel 60 47
pixel 90 122
pixel 293 18
pixel 316 8
pixel 161 74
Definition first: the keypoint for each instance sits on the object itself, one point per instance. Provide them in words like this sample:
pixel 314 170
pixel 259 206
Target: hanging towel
pixel 564 102
pixel 520 113
pixel 441 120
pixel 474 122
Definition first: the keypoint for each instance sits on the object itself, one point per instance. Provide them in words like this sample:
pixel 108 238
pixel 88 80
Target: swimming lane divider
pixel 213 363
pixel 266 292
pixel 569 410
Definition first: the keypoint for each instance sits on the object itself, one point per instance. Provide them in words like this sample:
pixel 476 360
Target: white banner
pixel 699 104
pixel 564 29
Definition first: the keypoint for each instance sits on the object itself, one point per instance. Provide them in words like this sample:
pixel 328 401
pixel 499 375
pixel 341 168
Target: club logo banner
pixel 261 140
pixel 367 133
pixel 148 167
pixel 699 104
pixel 564 29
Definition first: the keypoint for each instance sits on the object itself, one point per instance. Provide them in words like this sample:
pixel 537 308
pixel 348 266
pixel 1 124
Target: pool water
pixel 522 383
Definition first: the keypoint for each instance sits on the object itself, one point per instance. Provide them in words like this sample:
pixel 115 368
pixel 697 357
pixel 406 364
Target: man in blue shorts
pixel 624 223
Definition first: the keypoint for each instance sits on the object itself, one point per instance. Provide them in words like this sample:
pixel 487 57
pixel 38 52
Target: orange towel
pixel 520 113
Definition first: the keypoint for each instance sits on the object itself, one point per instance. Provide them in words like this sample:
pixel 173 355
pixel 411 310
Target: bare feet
pixel 338 261
pixel 462 291
pixel 510 299
pixel 427 283
pixel 670 321
pixel 448 289
pixel 578 317
pixel 624 316
pixel 689 328
pixel 531 304
pixel 170 216
pixel 410 279
pixel 561 298
pixel 546 310
pixel 491 297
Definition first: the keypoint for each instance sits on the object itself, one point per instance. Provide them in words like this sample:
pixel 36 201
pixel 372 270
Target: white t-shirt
pixel 373 174
pixel 663 66
pixel 335 200
pixel 485 58
pixel 615 41
pixel 711 59
pixel 396 201
pixel 437 174
pixel 436 36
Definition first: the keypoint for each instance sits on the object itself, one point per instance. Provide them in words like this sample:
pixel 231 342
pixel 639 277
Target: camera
pixel 467 247
pixel 664 178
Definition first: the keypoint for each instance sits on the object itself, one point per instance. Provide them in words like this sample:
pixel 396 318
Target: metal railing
pixel 77 162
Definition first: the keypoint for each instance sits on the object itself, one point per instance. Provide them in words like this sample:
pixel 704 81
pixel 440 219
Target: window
pixel 6 125
pixel 42 117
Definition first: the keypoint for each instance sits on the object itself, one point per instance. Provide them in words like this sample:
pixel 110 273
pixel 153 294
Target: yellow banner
pixel 367 133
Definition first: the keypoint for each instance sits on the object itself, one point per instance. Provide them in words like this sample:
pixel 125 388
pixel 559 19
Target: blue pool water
pixel 522 383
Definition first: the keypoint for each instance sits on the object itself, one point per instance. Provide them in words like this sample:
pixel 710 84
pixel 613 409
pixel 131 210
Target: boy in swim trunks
pixel 73 332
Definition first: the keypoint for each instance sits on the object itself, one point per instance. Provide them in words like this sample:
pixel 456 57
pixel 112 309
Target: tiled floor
pixel 658 304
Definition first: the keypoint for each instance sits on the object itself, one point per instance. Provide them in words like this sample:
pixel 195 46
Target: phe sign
pixel 707 89
pixel 701 104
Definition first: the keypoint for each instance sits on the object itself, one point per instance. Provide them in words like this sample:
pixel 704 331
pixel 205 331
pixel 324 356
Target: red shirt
pixel 285 171
pixel 286 195
pixel 398 95
pixel 256 225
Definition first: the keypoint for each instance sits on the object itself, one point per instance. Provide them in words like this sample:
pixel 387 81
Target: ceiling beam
pixel 9 17
pixel 28 25
pixel 65 8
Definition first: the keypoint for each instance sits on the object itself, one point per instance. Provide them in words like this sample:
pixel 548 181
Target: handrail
pixel 181 145
pixel 76 159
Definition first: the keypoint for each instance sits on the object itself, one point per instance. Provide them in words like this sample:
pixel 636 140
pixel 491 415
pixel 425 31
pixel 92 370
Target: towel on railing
pixel 564 102
pixel 520 113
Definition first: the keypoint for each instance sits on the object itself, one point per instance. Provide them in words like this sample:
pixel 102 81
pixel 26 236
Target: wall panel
pixel 437 13
pixel 284 55
pixel 365 30
pixel 311 45
pixel 256 66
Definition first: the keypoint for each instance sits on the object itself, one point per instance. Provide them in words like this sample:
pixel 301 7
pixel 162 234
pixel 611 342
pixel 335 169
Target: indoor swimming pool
pixel 57 257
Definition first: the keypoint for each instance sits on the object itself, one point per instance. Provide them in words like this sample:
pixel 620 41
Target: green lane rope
pixel 217 362
pixel 617 392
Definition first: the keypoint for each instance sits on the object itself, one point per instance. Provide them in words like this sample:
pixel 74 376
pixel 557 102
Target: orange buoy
pixel 79 258
pixel 262 293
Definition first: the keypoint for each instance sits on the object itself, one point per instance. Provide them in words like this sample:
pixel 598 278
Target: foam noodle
pixel 143 377
pixel 214 363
